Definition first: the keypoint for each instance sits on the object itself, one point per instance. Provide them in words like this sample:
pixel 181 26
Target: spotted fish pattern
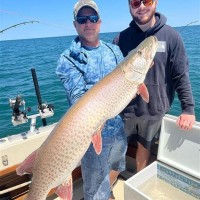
pixel 53 163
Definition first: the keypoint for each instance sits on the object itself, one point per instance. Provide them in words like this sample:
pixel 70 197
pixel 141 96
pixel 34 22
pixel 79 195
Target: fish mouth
pixel 155 42
pixel 154 45
pixel 155 38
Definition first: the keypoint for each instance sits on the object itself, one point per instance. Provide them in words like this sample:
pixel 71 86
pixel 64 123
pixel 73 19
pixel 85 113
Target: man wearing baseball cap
pixel 84 63
pixel 85 3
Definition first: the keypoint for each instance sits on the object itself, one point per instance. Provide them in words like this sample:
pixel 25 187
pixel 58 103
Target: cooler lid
pixel 180 149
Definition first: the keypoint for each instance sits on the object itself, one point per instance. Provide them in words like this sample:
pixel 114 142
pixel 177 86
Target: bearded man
pixel 169 74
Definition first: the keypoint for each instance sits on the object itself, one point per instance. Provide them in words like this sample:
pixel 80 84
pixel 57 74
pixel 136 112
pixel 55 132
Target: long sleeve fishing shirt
pixel 80 67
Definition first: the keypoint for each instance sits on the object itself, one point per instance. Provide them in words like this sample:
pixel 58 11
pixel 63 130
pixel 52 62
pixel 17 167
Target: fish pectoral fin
pixel 97 140
pixel 27 165
pixel 142 90
pixel 65 191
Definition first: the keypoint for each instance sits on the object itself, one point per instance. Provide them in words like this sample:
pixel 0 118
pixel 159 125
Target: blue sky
pixel 55 16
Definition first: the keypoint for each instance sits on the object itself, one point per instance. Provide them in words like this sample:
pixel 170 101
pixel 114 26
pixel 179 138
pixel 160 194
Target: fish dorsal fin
pixel 65 190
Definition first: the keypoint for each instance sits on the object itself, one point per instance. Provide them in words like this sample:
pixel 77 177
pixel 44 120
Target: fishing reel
pixel 18 116
pixel 45 110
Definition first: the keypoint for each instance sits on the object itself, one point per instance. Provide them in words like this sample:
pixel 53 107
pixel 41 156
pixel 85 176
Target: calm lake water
pixel 19 56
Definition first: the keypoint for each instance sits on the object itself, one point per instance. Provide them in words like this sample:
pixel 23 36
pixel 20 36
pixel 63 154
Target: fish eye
pixel 140 52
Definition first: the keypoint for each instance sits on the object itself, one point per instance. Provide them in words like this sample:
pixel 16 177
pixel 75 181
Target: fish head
pixel 138 61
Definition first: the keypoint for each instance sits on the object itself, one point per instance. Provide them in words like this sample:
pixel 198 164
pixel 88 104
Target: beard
pixel 146 19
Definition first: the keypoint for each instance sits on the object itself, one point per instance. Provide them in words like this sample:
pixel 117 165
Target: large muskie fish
pixel 53 163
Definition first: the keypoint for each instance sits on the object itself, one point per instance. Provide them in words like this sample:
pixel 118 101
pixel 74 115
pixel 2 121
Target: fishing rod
pixel 20 117
pixel 23 23
pixel 194 22
pixel 35 19
pixel 37 90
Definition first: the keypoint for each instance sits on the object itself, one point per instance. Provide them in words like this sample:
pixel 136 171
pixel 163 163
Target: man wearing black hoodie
pixel 169 74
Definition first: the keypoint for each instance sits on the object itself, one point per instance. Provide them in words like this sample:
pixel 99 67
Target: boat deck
pixel 13 186
pixel 118 189
pixel 11 179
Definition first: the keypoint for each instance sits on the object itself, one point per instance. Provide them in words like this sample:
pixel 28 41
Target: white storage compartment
pixel 176 174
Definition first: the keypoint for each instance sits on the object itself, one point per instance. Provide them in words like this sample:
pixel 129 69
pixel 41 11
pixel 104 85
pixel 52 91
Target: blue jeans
pixel 95 168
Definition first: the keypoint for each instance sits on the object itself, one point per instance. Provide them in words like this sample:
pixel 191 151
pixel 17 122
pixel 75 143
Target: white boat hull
pixel 14 149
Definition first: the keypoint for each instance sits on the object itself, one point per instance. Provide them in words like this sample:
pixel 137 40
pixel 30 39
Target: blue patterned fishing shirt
pixel 80 67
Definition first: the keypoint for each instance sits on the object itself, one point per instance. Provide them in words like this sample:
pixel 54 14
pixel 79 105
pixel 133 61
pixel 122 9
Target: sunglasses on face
pixel 83 19
pixel 137 3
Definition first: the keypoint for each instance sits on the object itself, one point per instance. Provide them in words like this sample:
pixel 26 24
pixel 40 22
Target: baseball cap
pixel 83 3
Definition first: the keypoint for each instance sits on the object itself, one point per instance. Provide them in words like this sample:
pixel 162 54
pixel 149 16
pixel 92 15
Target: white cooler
pixel 176 173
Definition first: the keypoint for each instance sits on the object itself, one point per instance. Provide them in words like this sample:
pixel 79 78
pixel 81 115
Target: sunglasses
pixel 83 19
pixel 137 3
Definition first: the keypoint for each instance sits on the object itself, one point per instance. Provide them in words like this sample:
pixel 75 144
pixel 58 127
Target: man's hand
pixel 185 121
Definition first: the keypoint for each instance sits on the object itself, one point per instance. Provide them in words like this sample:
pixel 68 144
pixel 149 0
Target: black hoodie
pixel 169 73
